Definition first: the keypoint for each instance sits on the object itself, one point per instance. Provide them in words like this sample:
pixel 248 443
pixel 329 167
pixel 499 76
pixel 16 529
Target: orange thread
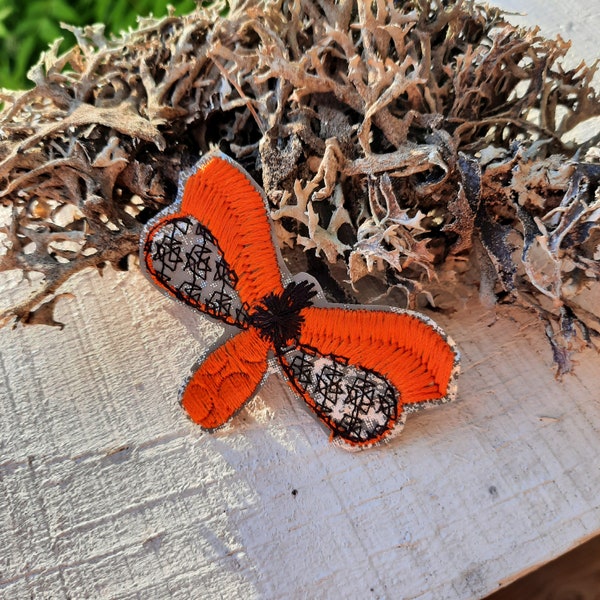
pixel 226 379
pixel 232 209
pixel 410 353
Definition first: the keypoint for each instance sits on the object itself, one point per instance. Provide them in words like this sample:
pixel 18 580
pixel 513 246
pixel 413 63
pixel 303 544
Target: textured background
pixel 107 490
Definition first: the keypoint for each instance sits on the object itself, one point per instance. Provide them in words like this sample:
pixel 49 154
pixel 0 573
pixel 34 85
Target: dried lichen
pixel 399 140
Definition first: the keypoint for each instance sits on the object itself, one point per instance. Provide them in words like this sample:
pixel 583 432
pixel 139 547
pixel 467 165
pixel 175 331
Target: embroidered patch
pixel 360 369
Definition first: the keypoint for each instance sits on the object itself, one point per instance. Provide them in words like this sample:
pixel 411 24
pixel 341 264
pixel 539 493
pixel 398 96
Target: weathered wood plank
pixel 108 489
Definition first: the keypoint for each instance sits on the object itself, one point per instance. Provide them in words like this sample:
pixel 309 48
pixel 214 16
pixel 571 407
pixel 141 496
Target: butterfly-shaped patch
pixel 359 368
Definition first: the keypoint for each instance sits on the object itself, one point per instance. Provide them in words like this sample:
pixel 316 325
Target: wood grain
pixel 107 489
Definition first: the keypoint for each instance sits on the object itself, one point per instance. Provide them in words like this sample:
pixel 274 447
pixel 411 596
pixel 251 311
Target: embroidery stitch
pixel 359 369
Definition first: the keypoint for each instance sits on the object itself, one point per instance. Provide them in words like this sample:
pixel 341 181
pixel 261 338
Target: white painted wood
pixel 108 491
pixel 575 21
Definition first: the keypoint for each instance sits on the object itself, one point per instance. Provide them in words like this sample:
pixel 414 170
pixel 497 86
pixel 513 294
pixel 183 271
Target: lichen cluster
pixel 412 143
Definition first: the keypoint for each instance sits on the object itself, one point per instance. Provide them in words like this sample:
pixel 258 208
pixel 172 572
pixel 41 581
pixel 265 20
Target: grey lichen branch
pixel 394 140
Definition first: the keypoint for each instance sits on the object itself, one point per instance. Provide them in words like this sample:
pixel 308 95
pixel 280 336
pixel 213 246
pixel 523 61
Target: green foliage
pixel 27 28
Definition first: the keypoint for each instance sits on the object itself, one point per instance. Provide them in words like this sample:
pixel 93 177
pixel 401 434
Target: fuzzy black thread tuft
pixel 278 316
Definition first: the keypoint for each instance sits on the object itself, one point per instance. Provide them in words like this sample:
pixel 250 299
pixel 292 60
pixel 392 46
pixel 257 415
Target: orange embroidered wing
pixel 360 369
pixel 226 379
pixel 213 249
pixel 226 201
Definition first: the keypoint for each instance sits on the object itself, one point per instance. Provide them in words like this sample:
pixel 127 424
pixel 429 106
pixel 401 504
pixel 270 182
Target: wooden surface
pixel 107 490
pixel 573 576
